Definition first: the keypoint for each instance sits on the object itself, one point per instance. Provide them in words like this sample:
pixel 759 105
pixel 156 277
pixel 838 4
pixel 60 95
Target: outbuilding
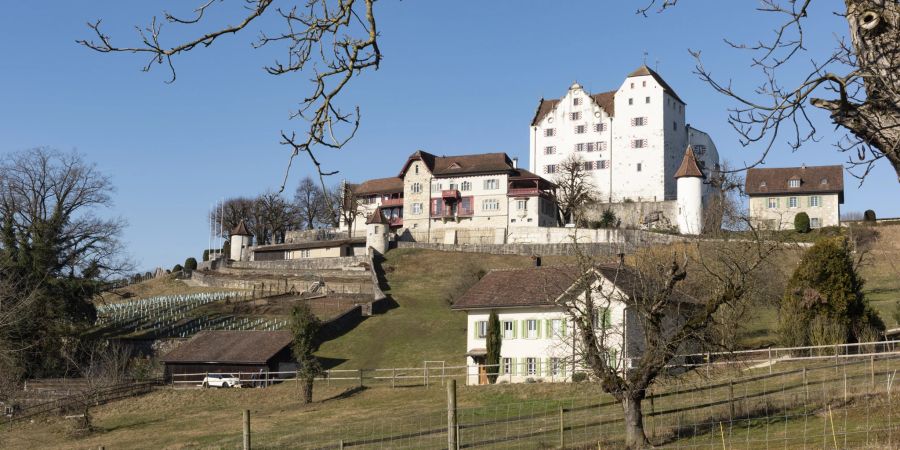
pixel 231 352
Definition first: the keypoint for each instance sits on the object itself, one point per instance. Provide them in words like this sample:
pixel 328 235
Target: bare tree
pixel 575 190
pixel 310 201
pixel 101 364
pixel 857 83
pixel 332 41
pixel 349 206
pixel 233 211
pixel 672 297
pixel 277 216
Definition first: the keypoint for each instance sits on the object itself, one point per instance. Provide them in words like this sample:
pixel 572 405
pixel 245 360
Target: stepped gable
pixel 689 166
pixel 241 230
pixel 235 347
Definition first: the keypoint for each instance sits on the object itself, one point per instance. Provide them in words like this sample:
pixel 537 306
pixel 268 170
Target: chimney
pixel 537 260
pixel 515 163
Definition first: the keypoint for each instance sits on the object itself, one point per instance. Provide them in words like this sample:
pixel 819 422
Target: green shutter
pixel 537 323
pixel 514 329
pixel 562 367
pixel 523 324
pixel 512 366
pixel 475 333
pixel 563 326
pixel 547 365
pixel 538 367
pixel 607 318
pixel 500 369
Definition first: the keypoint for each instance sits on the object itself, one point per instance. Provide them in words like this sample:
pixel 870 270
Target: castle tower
pixel 239 241
pixel 690 194
pixel 377 229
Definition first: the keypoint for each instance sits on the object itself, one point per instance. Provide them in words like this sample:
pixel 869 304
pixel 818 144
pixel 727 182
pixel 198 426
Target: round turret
pixel 690 194
pixel 377 230
pixel 239 241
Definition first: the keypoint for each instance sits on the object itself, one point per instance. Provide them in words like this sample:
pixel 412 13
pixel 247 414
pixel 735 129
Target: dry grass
pixel 165 285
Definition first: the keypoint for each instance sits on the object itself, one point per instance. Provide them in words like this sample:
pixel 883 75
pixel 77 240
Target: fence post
pixel 452 430
pixel 360 377
pixel 770 360
pixel 393 377
pixel 246 429
pixel 730 401
pixel 872 368
pixel 562 428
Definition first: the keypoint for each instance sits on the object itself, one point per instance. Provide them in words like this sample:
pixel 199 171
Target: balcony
pixel 523 192
pixel 396 222
pixel 392 202
pixel 450 193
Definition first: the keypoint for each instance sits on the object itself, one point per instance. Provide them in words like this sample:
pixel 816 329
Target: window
pixel 531 366
pixel 416 188
pixel 531 328
pixel 453 186
pixel 579 147
pixel 646 99
pixel 701 149
pixel 824 181
pixel 599 127
pixel 506 365
pixel 590 146
pixel 491 184
pixel 304 253
pixel 417 169
pixel 550 168
pixel 522 204
pixel 773 202
pixel 417 208
pixel 814 200
pixel 509 330
pixel 630 101
pixel 588 165
pixel 603 164
pixel 675 126
pixel 601 146
pixel 643 83
pixel 639 166
pixel 632 85
pixel 481 329
pixel 814 222
pixel 792 202
pixel 555 328
pixel 576 101
pixel 435 187
pixel 602 318
pixel 549 132
pixel 549 150
pixel 490 205
pixel 638 121
pixel 465 186
pixel 555 366
pixel 794 183
pixel 580 129
pixel 638 143
pixel 575 116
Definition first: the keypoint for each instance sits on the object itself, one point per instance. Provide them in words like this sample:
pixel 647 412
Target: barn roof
pixel 813 180
pixel 233 347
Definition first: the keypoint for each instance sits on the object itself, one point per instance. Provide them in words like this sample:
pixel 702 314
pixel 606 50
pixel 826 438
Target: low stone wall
pixel 363 286
pixel 595 249
pixel 344 262
pixel 659 215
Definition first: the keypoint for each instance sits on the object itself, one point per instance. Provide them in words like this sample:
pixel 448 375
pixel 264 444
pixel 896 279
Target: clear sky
pixel 457 77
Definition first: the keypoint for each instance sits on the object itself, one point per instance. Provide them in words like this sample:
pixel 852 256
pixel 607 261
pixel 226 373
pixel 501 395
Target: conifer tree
pixel 492 359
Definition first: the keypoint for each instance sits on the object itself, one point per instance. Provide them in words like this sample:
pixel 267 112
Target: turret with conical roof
pixel 240 242
pixel 689 178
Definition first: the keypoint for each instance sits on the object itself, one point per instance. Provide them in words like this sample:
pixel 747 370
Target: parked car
pixel 221 380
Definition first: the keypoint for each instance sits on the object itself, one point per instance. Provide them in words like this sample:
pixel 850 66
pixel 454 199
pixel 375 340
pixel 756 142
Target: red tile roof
pixel 379 186
pixel 240 347
pixel 689 166
pixel 813 180
pixel 542 286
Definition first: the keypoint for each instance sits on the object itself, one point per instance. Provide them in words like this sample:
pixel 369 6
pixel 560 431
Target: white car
pixel 221 380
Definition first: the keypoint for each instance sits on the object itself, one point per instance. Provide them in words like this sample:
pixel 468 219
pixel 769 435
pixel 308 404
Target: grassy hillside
pixel 881 270
pixel 421 326
pixel 165 285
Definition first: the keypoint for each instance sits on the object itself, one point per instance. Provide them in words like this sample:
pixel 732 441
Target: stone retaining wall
pixel 344 262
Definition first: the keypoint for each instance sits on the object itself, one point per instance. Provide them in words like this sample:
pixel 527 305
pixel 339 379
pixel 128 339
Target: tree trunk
pixel 308 390
pixel 634 424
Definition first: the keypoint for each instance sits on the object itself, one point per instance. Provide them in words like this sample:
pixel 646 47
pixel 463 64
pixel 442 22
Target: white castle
pixel 632 140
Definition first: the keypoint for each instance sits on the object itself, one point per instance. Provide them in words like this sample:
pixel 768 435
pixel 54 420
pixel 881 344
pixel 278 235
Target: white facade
pixel 632 139
pixel 690 206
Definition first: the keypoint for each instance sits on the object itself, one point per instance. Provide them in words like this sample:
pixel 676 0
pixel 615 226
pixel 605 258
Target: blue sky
pixel 457 77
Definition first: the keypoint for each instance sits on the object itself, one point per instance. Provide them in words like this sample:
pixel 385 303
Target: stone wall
pixel 363 286
pixel 345 262
pixel 645 215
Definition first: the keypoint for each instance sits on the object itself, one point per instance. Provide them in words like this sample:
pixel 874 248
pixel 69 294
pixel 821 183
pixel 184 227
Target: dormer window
pixel 455 166
pixel 762 184
pixel 824 181
pixel 794 183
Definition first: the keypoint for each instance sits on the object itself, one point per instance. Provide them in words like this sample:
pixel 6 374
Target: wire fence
pixel 844 405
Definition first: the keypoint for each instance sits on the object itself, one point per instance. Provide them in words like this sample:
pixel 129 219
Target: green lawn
pixel 421 326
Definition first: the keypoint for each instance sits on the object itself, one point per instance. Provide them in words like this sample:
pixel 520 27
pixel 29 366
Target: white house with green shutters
pixel 538 339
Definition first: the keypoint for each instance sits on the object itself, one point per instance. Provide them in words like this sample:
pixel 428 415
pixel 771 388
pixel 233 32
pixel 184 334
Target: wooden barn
pixel 231 352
